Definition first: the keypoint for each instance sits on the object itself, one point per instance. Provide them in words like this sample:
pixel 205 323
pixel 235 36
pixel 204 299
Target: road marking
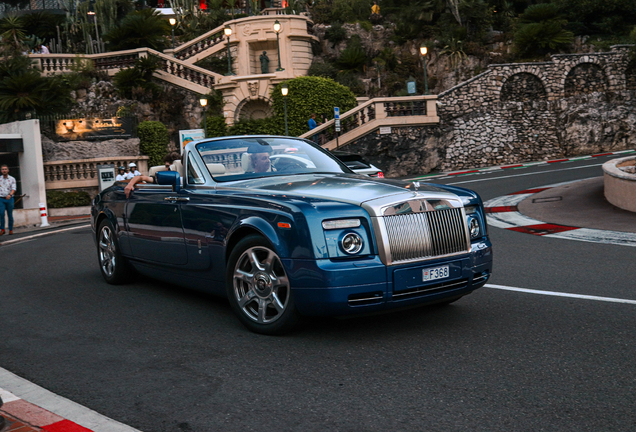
pixel 561 294
pixel 34 396
pixel 521 175
pixel 21 239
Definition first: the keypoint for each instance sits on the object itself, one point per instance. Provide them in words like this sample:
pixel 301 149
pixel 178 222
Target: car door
pixel 155 226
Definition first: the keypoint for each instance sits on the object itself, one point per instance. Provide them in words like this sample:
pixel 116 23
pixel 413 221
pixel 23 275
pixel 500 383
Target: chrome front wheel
pixel 112 265
pixel 259 289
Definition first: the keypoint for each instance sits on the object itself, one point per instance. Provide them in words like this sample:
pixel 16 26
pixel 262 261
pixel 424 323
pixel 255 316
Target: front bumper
pixel 326 287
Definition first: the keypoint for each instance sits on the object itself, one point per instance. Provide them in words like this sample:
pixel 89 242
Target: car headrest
pixel 246 162
pixel 216 168
pixel 178 167
pixel 153 171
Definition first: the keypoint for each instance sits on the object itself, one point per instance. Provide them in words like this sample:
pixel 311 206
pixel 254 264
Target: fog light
pixel 351 243
pixel 473 226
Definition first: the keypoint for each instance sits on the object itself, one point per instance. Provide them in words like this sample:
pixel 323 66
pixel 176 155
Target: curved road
pixel 161 358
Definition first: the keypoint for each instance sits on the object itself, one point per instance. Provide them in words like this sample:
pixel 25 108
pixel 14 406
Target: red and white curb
pixel 521 165
pixel 502 212
pixel 38 407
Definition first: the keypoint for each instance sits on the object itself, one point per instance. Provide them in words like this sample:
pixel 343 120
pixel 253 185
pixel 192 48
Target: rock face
pixel 73 150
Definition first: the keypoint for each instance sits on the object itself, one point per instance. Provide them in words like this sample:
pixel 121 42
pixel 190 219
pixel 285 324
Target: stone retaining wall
pixel 574 104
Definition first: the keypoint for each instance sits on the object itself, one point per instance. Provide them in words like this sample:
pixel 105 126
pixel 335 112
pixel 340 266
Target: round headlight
pixel 351 243
pixel 473 226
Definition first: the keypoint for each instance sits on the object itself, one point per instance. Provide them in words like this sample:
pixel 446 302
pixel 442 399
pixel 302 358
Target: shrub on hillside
pixel 309 95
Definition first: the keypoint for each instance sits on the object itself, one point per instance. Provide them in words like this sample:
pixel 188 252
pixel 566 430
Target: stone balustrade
pixel 171 69
pixel 376 113
pixel 82 173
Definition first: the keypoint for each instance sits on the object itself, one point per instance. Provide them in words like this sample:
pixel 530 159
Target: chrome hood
pixel 353 189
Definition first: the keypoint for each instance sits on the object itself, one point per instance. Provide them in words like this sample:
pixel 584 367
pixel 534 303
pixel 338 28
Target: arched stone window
pixel 630 75
pixel 585 78
pixel 522 87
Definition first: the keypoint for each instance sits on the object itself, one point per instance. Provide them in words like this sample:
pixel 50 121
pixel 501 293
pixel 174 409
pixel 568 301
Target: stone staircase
pixel 375 114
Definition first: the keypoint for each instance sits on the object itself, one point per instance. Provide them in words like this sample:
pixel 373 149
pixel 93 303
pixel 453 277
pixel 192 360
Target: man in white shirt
pixel 7 190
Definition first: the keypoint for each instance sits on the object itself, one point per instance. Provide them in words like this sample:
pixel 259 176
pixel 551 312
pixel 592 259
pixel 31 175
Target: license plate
pixel 435 273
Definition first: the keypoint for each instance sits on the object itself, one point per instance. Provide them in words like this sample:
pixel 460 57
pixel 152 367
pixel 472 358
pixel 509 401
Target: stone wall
pixel 572 105
pixel 74 150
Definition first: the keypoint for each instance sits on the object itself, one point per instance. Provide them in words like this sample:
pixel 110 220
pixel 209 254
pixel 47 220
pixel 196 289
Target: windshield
pixel 238 158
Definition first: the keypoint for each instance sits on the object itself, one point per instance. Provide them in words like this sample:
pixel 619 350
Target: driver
pixel 259 156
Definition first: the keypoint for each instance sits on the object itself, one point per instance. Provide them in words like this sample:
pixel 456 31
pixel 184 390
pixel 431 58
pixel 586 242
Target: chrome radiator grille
pixel 416 236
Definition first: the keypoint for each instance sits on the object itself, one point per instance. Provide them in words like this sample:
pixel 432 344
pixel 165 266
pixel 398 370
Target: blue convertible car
pixel 284 229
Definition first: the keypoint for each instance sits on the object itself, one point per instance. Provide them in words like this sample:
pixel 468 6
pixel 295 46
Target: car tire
pixel 113 266
pixel 258 288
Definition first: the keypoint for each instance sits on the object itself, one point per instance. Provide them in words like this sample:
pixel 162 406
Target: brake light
pixel 378 175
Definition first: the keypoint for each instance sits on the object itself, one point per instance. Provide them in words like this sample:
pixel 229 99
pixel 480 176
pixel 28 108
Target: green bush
pixel 153 141
pixel 58 199
pixel 136 82
pixel 216 127
pixel 309 95
pixel 322 69
pixel 336 33
pixel 266 126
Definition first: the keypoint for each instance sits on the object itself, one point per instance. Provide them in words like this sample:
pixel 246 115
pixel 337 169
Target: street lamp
pixel 173 21
pixel 89 13
pixel 203 101
pixel 277 28
pixel 423 51
pixel 228 32
pixel 284 90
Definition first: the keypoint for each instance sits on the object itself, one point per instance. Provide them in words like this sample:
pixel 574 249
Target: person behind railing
pixel 133 170
pixel 170 159
pixel 122 174
pixel 312 125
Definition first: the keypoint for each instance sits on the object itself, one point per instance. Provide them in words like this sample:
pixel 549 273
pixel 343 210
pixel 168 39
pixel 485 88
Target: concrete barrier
pixel 620 185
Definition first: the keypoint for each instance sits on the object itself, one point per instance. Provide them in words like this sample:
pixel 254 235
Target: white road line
pixel 521 175
pixel 21 239
pixel 560 294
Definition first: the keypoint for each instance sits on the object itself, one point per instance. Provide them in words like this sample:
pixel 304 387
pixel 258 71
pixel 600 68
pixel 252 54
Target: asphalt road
pixel 162 358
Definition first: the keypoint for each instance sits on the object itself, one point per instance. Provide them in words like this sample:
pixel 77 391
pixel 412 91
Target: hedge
pixel 307 95
pixel 153 141
pixel 58 199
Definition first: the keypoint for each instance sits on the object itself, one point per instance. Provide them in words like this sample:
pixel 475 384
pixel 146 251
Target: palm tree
pixel 12 32
pixel 143 28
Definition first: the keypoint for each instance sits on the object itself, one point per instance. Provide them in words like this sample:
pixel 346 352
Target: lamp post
pixel 277 28
pixel 89 13
pixel 423 51
pixel 284 90
pixel 203 101
pixel 228 32
pixel 173 21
